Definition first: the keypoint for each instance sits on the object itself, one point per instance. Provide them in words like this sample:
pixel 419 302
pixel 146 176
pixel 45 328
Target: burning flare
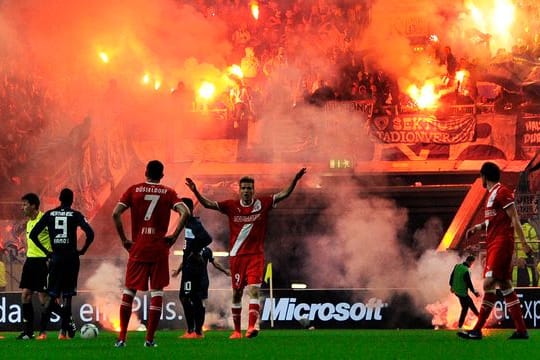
pixel 207 90
pixel 104 57
pixel 424 97
pixel 236 70
pixel 254 6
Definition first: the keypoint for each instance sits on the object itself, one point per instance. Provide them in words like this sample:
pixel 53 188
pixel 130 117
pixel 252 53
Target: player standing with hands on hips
pixel 500 221
pixel 248 219
pixel 62 223
pixel 151 204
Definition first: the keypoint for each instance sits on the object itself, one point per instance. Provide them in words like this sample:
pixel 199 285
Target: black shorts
pixel 63 274
pixel 194 283
pixel 34 274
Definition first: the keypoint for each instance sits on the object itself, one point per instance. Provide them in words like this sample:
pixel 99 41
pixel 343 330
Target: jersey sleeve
pixel 126 197
pixel 506 197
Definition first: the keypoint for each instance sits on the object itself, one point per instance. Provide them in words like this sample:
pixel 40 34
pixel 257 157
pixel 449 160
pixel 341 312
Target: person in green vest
pixel 522 274
pixel 460 284
pixel 531 258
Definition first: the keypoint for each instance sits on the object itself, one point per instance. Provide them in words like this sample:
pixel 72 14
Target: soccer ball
pixel 89 331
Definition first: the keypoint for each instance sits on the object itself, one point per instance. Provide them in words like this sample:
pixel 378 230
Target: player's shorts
pixel 63 274
pixel 194 281
pixel 138 273
pixel 499 260
pixel 34 274
pixel 246 270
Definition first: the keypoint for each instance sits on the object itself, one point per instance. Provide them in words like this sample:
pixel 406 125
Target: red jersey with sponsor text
pixel 151 205
pixel 247 224
pixel 498 223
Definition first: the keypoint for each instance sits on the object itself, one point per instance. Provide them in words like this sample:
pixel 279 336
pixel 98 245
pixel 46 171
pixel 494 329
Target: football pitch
pixel 282 344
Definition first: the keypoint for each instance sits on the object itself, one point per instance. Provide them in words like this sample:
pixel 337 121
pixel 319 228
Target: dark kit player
pixel 195 281
pixel 62 223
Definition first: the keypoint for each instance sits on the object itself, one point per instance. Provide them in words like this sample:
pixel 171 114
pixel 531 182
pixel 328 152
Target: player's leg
pixel 69 289
pixel 236 310
pixel 198 308
pixel 488 301
pixel 27 331
pixel 31 280
pixel 68 326
pixel 255 270
pixel 136 279
pixel 201 313
pixel 44 320
pixel 254 309
pixel 237 267
pixel 185 299
pixel 159 278
pixel 154 313
pixel 126 307
pixel 189 315
pixel 514 308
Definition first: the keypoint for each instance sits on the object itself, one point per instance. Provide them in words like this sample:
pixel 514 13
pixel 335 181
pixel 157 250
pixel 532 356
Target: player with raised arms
pixel 248 220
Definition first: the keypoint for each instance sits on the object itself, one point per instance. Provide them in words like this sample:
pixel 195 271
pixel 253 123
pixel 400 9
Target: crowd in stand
pixel 319 40
pixel 25 110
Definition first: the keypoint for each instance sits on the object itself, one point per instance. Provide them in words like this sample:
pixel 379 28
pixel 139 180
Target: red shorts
pixel 138 273
pixel 246 270
pixel 499 260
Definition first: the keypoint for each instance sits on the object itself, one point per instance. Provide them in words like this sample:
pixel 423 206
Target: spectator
pixel 522 275
pixel 531 238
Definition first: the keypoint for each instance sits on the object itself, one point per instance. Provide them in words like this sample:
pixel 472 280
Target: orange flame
pixel 104 57
pixel 254 6
pixel 146 78
pixel 236 70
pixel 425 97
pixel 206 90
pixel 496 19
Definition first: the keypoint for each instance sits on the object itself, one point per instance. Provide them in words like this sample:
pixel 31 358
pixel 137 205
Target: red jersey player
pixel 151 204
pixel 248 220
pixel 500 220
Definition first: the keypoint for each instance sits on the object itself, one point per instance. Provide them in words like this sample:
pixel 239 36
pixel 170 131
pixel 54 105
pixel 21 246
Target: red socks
pixel 514 308
pixel 154 313
pixel 485 310
pixel 253 313
pixel 236 315
pixel 125 314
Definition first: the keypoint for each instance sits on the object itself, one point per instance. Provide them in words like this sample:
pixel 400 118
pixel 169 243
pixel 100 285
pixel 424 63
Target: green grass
pixel 283 344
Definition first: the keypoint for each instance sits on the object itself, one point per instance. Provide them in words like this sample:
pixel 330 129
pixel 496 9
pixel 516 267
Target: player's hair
pixel 247 179
pixel 491 171
pixel 470 259
pixel 66 197
pixel 154 170
pixel 32 199
pixel 189 203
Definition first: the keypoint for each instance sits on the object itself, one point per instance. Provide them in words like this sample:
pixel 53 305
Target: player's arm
pixel 184 214
pixel 474 229
pixel 89 232
pixel 207 203
pixel 513 215
pixel 36 230
pixel 283 194
pixel 117 218
pixel 220 267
